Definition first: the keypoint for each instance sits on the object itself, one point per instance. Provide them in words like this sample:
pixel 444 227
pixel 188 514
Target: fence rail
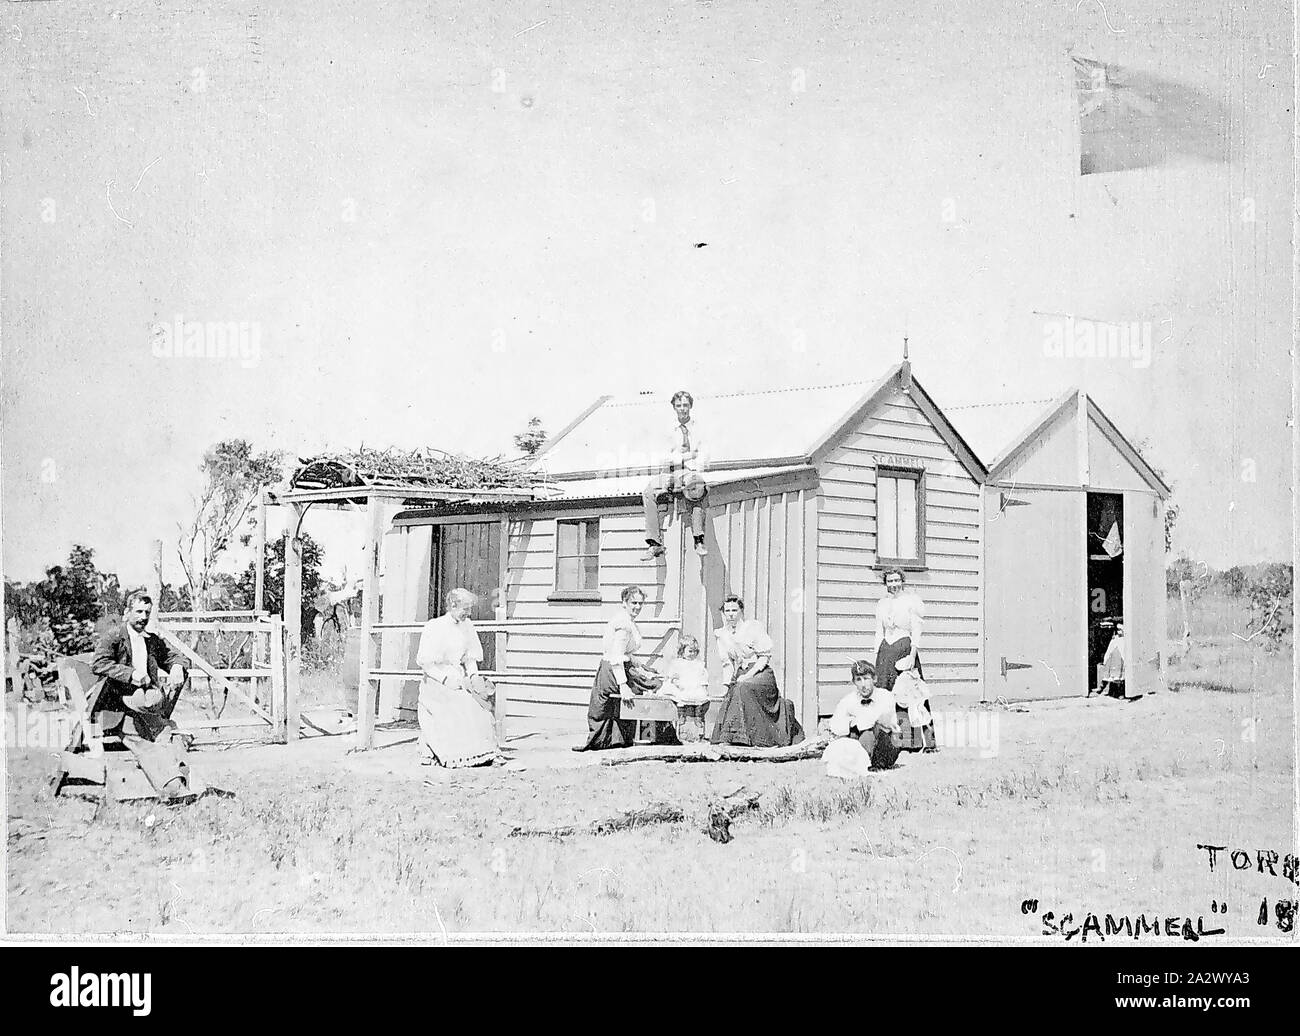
pixel 263 686
pixel 258 686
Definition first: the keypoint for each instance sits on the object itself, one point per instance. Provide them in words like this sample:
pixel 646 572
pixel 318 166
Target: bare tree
pixel 233 475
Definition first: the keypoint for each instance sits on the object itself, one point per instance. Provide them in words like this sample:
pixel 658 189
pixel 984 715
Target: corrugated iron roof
pixel 622 435
pixel 617 441
pixel 625 485
pixel 618 489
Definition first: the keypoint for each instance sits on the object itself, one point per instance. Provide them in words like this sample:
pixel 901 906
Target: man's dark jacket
pixel 113 660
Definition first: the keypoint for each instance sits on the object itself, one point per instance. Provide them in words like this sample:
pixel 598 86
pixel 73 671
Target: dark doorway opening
pixel 1105 552
pixel 468 555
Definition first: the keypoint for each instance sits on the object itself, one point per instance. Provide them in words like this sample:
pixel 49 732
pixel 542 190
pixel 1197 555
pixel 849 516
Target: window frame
pixel 559 593
pixel 916 474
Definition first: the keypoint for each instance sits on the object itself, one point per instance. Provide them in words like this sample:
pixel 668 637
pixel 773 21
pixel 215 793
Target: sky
pixel 443 218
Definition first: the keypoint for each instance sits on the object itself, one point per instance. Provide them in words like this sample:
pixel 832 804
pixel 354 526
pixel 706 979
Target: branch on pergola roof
pixel 421 467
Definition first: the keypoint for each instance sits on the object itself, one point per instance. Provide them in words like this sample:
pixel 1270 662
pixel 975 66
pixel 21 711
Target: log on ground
pixel 717 819
pixel 811 749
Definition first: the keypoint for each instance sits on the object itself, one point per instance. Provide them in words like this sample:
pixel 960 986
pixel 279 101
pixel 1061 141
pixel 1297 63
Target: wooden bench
pixel 654 708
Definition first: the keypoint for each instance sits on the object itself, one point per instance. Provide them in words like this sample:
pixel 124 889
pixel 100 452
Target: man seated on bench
pixel 143 677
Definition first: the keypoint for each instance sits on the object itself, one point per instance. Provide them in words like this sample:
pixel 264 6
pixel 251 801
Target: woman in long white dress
pixel 455 730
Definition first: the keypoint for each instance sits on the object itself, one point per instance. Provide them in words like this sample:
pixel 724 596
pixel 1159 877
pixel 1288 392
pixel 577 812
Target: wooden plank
pixel 396 494
pixel 808 676
pixel 762 560
pixel 259 559
pixel 514 625
pixel 736 545
pixel 242 674
pixel 860 524
pixel 859 448
pixel 195 626
pixel 865 622
pixel 777 604
pixel 216 724
pixel 983 596
pixel 501 654
pixel 915 428
pixel 83 766
pixel 1081 437
pixel 11 656
pixel 646 707
pixel 369 616
pixel 279 713
pixel 212 674
pixel 155 584
pixel 858 643
pixel 215 616
pixel 792 576
pixel 571 714
pixel 260 651
pixel 292 617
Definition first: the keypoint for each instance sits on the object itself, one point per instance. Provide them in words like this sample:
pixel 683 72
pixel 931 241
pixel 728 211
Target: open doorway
pixel 468 555
pixel 1105 547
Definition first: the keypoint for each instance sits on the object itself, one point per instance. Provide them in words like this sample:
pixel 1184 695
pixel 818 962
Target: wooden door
pixel 468 555
pixel 1035 628
pixel 1145 631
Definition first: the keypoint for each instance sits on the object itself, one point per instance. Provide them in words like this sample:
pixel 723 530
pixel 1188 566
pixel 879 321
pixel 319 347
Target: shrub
pixel 1270 593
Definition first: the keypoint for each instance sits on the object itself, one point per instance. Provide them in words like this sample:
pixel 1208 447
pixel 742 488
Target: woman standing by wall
pixel 455 730
pixel 753 712
pixel 898 636
pixel 617 673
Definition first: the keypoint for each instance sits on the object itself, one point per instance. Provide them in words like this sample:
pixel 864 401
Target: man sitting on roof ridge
pixel 681 476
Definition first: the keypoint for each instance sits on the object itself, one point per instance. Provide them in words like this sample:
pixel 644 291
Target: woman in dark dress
pixel 898 638
pixel 753 713
pixel 618 672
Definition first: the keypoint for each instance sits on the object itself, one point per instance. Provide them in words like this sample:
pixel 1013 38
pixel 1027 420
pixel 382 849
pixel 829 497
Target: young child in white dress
pixel 686 681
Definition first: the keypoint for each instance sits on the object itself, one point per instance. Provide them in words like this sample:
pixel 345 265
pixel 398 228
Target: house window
pixel 900 515
pixel 577 556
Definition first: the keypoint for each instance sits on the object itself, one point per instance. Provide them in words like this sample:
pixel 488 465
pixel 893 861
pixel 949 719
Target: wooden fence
pixel 239 656
pixel 242 659
pixel 503 675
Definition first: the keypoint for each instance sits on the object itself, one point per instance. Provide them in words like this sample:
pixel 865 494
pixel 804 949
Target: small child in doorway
pixel 686 681
pixel 1112 665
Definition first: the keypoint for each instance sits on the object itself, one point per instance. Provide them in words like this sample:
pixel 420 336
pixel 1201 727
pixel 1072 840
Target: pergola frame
pixel 352 497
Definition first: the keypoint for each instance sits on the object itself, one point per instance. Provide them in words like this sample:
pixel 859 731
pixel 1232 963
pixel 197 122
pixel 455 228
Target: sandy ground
pixel 1079 806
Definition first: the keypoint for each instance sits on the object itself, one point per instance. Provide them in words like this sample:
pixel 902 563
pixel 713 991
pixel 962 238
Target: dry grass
pixel 1086 806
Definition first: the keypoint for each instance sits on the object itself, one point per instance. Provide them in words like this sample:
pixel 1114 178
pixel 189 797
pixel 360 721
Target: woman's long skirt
pixel 887 673
pixel 754 715
pixel 607 730
pixel 455 728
